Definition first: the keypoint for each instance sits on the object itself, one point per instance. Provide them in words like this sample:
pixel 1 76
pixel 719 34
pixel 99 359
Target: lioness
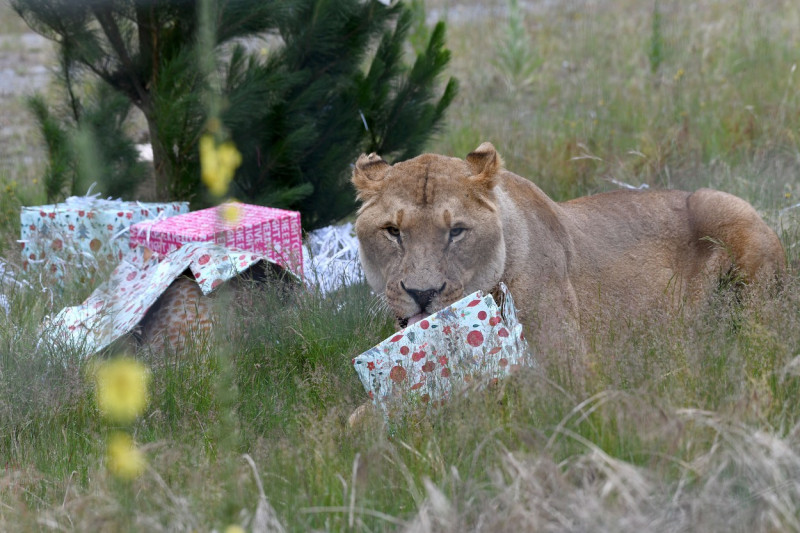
pixel 433 229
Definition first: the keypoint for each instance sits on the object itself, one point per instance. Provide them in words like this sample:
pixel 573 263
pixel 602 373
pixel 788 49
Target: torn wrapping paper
pixel 118 305
pixel 9 283
pixel 83 232
pixel 273 232
pixel 471 340
pixel 331 258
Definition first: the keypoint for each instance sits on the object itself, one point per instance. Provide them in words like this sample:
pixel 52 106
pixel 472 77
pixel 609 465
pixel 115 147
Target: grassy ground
pixel 683 425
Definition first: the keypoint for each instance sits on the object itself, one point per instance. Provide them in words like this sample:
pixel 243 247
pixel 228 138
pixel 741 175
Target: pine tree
pixel 300 113
pixel 324 110
pixel 83 231
pixel 86 144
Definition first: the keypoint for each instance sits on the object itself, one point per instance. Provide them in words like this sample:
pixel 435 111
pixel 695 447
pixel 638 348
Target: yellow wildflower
pixel 234 529
pixel 679 74
pixel 122 389
pixel 218 163
pixel 123 458
pixel 230 212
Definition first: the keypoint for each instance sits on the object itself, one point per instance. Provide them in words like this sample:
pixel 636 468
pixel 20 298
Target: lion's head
pixel 429 229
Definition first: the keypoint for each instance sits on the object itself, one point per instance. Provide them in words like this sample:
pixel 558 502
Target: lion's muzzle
pixel 423 297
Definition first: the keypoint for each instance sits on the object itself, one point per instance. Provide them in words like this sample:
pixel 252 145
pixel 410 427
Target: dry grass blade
pixel 265 519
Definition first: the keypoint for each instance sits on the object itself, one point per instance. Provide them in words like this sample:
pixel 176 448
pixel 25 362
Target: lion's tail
pixel 752 246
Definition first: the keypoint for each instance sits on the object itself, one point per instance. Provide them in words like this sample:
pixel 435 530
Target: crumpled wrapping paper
pixel 9 282
pixel 119 304
pixel 331 258
pixel 471 340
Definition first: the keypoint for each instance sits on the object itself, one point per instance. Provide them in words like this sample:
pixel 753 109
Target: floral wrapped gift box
pixel 117 306
pixel 83 232
pixel 471 339
pixel 273 232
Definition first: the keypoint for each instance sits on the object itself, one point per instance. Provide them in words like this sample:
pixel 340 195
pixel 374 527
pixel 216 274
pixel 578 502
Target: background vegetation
pixel 685 424
pixel 303 87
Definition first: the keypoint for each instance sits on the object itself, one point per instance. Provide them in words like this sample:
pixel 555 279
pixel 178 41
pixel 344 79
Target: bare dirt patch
pixel 26 61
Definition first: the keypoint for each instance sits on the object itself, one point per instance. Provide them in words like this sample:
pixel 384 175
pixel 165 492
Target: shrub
pixel 300 110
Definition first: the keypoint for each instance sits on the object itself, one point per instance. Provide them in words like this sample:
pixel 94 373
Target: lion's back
pixel 638 246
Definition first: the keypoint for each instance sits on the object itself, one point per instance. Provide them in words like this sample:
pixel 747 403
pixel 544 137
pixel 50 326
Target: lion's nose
pixel 422 297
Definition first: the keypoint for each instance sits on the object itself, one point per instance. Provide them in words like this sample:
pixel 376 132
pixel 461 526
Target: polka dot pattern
pixel 473 339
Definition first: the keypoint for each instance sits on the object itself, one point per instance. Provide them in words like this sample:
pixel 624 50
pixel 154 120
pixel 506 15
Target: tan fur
pixel 619 252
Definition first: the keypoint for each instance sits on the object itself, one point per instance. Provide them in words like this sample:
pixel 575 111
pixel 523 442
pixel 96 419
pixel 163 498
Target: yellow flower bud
pixel 123 458
pixel 218 163
pixel 230 212
pixel 122 389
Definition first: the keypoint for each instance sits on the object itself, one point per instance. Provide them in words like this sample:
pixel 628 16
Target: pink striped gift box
pixel 273 232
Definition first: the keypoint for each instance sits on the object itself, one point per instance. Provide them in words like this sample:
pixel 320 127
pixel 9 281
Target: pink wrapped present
pixel 471 340
pixel 273 232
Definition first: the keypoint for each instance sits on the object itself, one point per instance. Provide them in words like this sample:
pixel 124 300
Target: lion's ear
pixel 485 163
pixel 368 175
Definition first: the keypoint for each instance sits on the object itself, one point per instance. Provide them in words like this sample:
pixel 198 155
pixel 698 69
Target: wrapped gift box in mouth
pixel 472 340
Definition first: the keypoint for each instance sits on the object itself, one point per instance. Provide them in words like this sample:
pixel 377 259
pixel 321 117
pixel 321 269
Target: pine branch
pixel 146 27
pixel 297 115
pixel 66 64
pixel 106 19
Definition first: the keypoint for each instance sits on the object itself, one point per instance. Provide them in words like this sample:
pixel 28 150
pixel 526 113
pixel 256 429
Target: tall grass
pixel 724 93
pixel 682 425
pixel 685 423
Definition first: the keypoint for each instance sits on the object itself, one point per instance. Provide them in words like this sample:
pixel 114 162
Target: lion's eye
pixel 455 232
pixel 393 231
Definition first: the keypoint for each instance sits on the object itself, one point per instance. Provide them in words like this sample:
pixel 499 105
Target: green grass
pixel 684 424
pixel 723 94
